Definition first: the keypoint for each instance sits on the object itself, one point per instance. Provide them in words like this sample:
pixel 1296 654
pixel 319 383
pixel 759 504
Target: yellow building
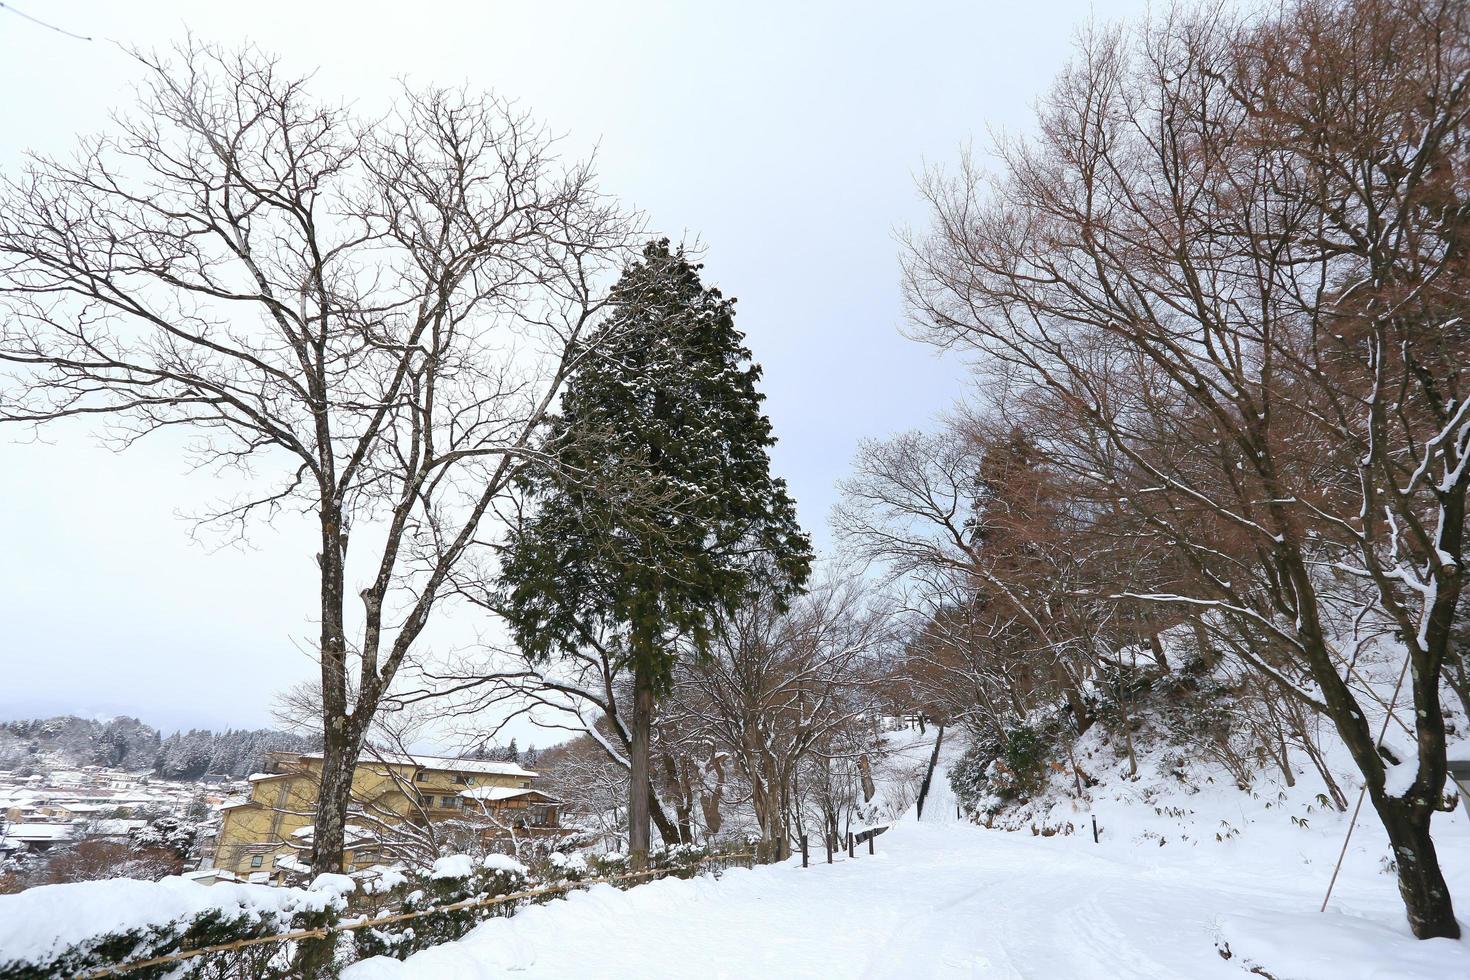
pixel 401 805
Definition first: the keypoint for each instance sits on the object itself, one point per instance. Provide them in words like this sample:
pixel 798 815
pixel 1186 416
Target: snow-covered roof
pixel 351 833
pixel 494 793
pixel 287 862
pixel 39 831
pixel 439 762
pixel 207 876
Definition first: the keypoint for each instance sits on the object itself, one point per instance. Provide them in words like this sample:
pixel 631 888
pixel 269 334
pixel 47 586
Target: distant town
pixel 84 799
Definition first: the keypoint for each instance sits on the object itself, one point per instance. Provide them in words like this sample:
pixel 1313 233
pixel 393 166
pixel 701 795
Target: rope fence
pixel 705 865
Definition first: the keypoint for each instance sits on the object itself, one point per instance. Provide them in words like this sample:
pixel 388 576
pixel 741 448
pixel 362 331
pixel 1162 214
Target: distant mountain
pixel 127 743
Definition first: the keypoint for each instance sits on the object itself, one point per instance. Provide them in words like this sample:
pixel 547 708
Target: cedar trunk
pixel 640 786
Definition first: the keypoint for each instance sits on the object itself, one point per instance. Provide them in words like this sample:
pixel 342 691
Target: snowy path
pixel 944 900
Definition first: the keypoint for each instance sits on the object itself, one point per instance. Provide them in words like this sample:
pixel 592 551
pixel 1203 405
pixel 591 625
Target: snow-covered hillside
pixel 1159 896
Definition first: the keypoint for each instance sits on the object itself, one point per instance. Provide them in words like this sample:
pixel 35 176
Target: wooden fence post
pixel 804 855
pixel 870 842
pixel 849 845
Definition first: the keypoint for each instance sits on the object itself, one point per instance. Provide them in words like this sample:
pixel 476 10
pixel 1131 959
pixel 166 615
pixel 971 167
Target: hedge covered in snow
pixel 71 930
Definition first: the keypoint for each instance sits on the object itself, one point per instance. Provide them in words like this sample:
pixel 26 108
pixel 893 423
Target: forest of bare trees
pixel 1215 308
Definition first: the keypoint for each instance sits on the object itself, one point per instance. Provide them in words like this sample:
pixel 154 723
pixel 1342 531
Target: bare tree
pixel 592 787
pixel 780 687
pixel 989 546
pixel 373 316
pixel 1231 270
pixel 586 693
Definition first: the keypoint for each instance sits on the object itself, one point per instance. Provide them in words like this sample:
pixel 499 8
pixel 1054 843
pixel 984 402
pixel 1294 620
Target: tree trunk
pixel 667 831
pixel 1426 897
pixel 640 788
pixel 680 789
pixel 865 770
pixel 340 745
pixel 709 801
pixel 1157 648
pixel 783 831
pixel 329 837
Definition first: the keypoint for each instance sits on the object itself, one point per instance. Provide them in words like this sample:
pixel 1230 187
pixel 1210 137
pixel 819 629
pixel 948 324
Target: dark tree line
pixel 191 754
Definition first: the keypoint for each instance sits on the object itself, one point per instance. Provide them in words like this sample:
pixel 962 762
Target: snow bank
pixel 1193 877
pixel 1334 946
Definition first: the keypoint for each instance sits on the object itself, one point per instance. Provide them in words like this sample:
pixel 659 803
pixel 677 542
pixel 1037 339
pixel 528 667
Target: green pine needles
pixel 655 511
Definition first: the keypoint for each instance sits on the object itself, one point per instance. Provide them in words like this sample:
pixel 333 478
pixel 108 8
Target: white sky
pixel 785 139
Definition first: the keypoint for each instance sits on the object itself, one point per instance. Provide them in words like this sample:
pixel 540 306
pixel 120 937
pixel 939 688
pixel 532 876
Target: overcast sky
pixel 783 136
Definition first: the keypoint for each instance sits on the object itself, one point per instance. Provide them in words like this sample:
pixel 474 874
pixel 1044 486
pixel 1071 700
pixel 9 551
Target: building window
pixel 422 775
pixel 451 802
pixel 256 860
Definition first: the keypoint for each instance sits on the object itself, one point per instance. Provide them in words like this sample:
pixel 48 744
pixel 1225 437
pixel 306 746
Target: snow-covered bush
pixel 969 774
pixel 452 880
pixel 566 867
pixel 680 860
pixel 611 863
pixel 73 929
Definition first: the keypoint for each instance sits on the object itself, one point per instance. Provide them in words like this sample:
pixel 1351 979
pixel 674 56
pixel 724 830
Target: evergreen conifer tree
pixel 658 512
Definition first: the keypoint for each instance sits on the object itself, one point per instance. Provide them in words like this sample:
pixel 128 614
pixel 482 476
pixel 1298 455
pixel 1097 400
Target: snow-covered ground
pixel 949 899
pixel 944 900
pixel 1193 878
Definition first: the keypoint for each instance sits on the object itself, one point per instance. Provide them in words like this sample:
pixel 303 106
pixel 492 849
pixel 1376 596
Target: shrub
pixel 968 775
pixel 452 880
